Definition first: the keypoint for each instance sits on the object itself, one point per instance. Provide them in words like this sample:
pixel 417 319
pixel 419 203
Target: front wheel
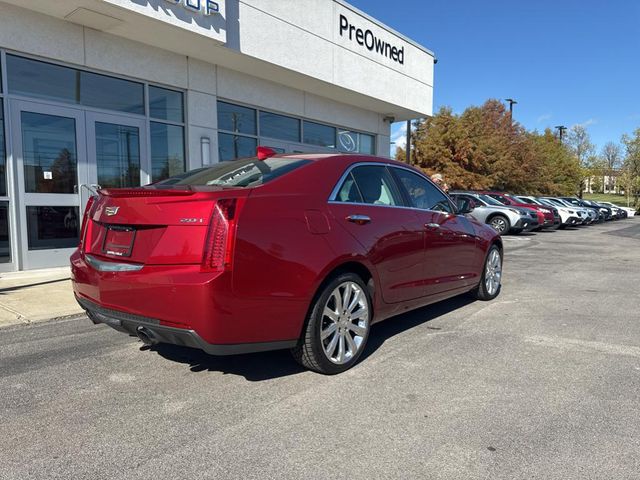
pixel 338 326
pixel 500 224
pixel 491 280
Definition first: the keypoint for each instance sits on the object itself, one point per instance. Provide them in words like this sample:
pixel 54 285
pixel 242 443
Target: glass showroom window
pixel 37 79
pixel 280 127
pixel 166 109
pixel 5 246
pixel 318 134
pixel 241 123
pixel 356 142
pixel 241 129
pixel 3 154
pixel 236 119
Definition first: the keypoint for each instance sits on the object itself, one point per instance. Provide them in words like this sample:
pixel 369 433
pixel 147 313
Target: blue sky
pixel 565 62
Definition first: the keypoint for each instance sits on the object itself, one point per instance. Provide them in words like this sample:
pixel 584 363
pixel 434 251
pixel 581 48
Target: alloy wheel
pixel 499 224
pixel 345 323
pixel 493 272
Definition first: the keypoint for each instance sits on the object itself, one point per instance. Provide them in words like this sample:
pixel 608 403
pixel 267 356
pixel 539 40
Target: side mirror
pixel 465 205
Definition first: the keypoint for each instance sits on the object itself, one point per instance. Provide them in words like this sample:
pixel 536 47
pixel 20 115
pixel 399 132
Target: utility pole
pixel 407 155
pixel 512 102
pixel 561 129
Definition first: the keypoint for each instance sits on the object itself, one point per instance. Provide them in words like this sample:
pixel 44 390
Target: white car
pixel 630 211
pixel 587 215
pixel 568 216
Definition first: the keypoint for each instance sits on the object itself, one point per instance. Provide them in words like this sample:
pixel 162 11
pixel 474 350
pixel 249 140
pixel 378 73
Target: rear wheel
pixel 338 326
pixel 491 280
pixel 500 224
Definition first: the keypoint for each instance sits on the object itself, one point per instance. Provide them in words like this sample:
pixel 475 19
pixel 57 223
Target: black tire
pixel 500 224
pixel 310 351
pixel 482 292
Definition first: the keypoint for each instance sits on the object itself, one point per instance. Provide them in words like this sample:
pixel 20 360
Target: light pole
pixel 561 129
pixel 407 156
pixel 512 102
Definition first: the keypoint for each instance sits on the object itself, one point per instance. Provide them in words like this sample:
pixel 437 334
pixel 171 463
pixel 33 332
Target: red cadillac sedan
pixel 300 252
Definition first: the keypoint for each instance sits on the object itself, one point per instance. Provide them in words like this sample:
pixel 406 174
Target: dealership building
pixel 121 93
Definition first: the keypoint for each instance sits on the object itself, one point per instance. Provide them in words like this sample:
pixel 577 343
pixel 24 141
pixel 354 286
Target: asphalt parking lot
pixel 543 382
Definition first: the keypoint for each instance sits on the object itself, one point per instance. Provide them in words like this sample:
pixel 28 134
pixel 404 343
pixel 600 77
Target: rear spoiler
pixel 145 192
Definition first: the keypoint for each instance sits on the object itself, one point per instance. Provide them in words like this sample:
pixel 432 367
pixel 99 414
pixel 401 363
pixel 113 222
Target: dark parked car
pixel 303 252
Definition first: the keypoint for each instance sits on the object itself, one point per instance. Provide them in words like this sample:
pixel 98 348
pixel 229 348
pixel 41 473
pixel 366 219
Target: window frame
pixel 394 189
pixel 407 204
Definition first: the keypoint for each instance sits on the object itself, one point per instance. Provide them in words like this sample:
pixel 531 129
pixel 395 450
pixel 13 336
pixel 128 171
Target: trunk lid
pixel 153 226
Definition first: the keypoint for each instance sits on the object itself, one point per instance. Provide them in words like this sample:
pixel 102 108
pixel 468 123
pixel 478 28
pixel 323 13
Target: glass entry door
pixel 50 159
pixel 61 155
pixel 117 152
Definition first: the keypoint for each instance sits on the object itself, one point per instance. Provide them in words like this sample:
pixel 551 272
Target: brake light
pixel 265 152
pixel 85 220
pixel 218 248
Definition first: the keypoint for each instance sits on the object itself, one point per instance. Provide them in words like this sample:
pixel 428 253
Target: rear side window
pixel 369 184
pixel 499 198
pixel 248 172
pixel 422 193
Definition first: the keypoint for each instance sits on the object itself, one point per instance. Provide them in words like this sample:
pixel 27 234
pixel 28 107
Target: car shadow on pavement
pixel 256 367
pixel 381 332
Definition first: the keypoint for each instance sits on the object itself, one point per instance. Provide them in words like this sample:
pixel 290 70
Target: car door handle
pixel 432 226
pixel 359 219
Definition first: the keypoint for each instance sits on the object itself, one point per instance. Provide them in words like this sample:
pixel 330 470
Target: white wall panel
pixel 202 76
pixel 244 88
pixel 37 34
pixel 202 109
pixel 119 55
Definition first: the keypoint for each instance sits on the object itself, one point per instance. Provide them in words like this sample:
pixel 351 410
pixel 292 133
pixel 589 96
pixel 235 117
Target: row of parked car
pixel 514 214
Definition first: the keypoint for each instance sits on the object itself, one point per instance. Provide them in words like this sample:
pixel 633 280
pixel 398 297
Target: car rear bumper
pixel 155 333
pixel 185 306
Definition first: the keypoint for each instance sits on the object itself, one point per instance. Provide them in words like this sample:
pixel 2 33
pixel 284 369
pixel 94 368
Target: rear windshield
pixel 247 172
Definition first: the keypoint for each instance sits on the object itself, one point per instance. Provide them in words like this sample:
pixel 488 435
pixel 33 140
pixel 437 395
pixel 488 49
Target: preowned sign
pixel 367 39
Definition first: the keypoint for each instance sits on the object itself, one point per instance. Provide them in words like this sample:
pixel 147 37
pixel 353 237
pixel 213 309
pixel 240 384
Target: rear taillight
pixel 218 248
pixel 85 220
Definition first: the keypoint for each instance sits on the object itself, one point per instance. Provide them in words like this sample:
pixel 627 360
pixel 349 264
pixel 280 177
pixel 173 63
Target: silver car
pixel 504 219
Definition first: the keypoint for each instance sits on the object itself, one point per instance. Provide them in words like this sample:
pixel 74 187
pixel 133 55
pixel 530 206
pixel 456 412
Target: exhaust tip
pixel 146 336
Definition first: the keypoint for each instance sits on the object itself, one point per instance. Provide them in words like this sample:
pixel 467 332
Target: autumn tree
pixel 483 149
pixel 442 145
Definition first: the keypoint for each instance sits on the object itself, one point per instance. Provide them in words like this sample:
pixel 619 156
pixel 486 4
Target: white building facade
pixel 120 93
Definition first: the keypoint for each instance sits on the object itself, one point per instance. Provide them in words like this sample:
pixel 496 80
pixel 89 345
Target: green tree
pixel 560 172
pixel 631 164
pixel 580 143
pixel 612 158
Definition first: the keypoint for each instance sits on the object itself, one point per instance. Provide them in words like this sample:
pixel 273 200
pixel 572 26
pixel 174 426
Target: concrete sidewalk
pixel 36 295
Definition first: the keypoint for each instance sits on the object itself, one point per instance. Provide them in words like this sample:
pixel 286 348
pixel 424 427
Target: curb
pixel 25 322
